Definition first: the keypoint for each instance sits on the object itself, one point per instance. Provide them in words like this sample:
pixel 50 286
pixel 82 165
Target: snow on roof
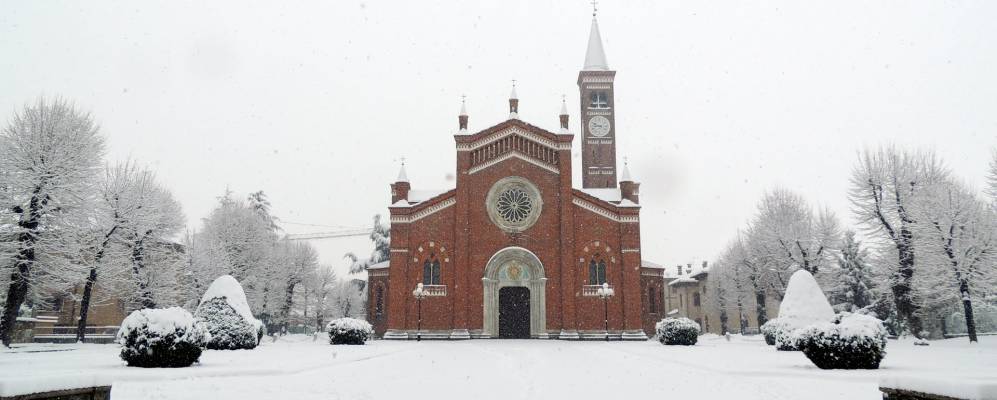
pixel 682 279
pixel 380 265
pixel 402 176
pixel 595 57
pixel 650 264
pixel 418 196
pixel 627 203
pixel 226 286
pixel 605 194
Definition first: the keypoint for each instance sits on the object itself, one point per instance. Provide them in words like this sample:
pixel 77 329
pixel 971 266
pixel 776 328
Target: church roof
pixel 595 57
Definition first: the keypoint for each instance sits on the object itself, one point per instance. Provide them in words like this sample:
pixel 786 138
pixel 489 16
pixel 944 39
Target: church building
pixel 514 250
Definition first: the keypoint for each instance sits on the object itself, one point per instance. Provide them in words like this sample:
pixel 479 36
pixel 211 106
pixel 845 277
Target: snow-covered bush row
pixel 680 331
pixel 225 313
pixel 804 304
pixel 349 331
pixel 169 337
pixel 850 341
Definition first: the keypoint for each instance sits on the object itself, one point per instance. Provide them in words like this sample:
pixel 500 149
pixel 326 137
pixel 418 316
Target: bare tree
pixel 958 233
pixel 791 233
pixel 148 236
pixel 118 203
pixel 885 184
pixel 49 153
pixel 320 285
pixel 301 260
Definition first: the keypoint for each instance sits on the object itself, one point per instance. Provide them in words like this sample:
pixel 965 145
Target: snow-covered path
pixel 504 369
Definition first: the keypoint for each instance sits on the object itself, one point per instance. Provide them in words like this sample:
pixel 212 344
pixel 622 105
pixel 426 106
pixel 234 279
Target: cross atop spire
pixel 402 176
pixel 594 7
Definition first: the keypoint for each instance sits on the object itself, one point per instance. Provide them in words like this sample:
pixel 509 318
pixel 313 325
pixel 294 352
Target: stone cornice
pixel 425 212
pixel 605 212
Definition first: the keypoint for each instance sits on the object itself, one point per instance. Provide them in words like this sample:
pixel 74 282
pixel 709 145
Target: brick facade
pixel 514 219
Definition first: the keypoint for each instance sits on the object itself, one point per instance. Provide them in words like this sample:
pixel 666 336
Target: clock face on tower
pixel 598 126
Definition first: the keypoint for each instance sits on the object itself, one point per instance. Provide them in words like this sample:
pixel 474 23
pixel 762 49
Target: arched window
pixel 597 270
pixel 599 99
pixel 431 270
pixel 379 300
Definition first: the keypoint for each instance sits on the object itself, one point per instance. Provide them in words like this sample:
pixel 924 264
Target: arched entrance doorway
pixel 515 283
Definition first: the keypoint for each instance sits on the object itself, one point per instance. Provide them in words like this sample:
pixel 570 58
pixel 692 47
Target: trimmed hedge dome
pixel 349 331
pixel 850 341
pixel 156 338
pixel 225 313
pixel 677 331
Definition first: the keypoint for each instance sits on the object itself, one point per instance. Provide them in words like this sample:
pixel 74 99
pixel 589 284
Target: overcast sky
pixel 314 102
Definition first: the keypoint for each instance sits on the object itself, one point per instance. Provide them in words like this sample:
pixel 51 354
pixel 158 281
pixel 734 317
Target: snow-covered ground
pixel 299 368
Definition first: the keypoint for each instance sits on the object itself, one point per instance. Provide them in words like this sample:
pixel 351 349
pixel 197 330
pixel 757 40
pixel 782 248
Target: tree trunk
pixel 907 309
pixel 285 310
pixel 967 307
pixel 17 292
pixel 760 307
pixel 723 321
pixel 138 264
pixel 81 327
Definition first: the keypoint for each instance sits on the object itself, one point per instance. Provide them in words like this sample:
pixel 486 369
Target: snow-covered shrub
pixel 225 313
pixel 153 338
pixel 680 331
pixel 804 304
pixel 850 341
pixel 349 331
pixel 770 330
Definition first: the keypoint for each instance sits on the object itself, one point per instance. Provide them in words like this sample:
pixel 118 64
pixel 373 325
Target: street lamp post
pixel 605 292
pixel 419 293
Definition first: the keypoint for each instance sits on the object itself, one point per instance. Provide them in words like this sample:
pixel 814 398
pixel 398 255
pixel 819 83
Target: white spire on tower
pixel 564 106
pixel 463 108
pixel 513 95
pixel 402 176
pixel 595 57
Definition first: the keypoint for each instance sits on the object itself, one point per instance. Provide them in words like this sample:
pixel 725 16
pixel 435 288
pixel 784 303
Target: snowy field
pixel 298 368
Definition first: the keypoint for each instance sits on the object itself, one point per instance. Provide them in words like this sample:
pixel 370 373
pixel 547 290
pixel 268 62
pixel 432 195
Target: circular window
pixel 513 204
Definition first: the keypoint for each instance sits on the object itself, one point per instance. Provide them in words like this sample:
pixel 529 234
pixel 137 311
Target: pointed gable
pixel 514 138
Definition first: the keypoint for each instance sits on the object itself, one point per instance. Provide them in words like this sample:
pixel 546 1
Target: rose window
pixel 514 205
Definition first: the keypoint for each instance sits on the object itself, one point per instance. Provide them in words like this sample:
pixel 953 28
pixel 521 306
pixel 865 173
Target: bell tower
pixel 598 131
